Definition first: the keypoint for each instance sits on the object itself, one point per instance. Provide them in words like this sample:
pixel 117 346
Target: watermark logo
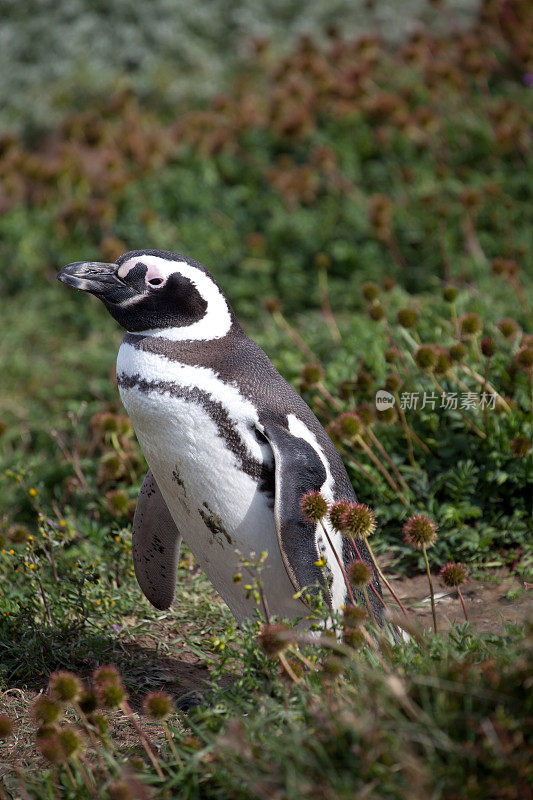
pixel 384 400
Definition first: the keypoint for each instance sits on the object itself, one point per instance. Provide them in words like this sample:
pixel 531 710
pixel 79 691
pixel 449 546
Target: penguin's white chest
pixel 199 440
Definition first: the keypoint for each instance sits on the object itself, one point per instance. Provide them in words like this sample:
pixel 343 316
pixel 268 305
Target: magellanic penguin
pixel 230 445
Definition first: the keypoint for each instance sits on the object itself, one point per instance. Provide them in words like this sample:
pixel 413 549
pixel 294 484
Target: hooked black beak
pixel 98 279
pixel 89 276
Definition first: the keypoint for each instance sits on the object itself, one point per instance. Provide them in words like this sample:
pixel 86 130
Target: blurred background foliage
pixel 301 151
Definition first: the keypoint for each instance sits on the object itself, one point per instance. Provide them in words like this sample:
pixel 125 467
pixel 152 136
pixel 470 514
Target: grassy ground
pixel 368 211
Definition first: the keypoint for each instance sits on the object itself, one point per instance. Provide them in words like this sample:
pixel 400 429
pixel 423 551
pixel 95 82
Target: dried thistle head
pixel 370 291
pixel 314 506
pixel 457 352
pixel 45 710
pixel 508 327
pixel 65 686
pixel 6 727
pixel 311 374
pixel 453 574
pixel 71 741
pixel 349 425
pixel 449 293
pixel 420 531
pixel 359 573
pixel 488 347
pixel 426 356
pixel 336 512
pixel 158 705
pixel 273 639
pixel 359 520
pixel 470 325
pixel 407 318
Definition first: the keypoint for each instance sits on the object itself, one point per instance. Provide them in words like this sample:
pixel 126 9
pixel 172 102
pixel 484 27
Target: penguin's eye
pixel 155 281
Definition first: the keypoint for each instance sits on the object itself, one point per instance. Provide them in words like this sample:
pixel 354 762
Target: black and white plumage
pixel 230 445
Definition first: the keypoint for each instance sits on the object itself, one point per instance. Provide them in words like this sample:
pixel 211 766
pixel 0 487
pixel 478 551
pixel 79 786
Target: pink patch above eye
pixel 153 276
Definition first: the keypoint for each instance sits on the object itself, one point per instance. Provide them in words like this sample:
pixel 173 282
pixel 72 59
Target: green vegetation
pixel 367 208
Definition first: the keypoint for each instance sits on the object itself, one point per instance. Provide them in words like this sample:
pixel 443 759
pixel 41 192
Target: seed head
pixel 71 741
pixel 88 701
pixel 393 382
pixel 106 672
pixel 407 317
pixel 18 534
pixel 323 261
pixel 65 686
pixel 51 749
pixel 332 667
pixel 272 639
pixel 524 359
pixel 386 415
pixel 336 512
pixel 520 446
pixel 470 325
pixel 45 710
pixel 449 293
pixel 457 352
pixel 349 425
pixel 359 520
pixel 359 573
pixel 128 788
pixel 45 731
pixel 420 530
pixel 388 283
pixel 158 705
pixel 376 311
pixel 453 574
pixel 370 291
pixel 314 506
pixel 365 381
pixel 443 363
pixel 6 726
pixel 272 305
pixel 391 355
pixel 365 414
pixel 508 327
pixel 353 637
pixel 111 694
pixel 311 374
pixel 426 356
pixel 354 616
pixel 488 347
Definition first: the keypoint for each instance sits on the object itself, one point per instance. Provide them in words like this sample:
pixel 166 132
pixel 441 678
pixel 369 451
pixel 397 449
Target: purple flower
pixel 527 79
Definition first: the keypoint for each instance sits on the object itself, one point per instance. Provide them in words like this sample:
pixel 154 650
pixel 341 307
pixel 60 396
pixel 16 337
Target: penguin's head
pixel 148 291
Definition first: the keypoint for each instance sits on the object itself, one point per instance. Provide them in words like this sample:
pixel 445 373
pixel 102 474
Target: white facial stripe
pixel 338 586
pixel 152 367
pixel 217 320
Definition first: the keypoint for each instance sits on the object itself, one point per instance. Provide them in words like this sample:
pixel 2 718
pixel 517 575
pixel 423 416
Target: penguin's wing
pixel 297 469
pixel 156 545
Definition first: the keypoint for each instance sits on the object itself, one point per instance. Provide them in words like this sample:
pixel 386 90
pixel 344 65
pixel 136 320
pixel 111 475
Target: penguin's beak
pixel 89 276
pixel 98 279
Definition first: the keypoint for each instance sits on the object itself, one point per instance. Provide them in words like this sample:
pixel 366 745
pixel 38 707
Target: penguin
pixel 231 446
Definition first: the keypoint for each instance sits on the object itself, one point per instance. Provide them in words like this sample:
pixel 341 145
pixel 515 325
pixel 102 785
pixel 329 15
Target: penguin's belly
pixel 218 507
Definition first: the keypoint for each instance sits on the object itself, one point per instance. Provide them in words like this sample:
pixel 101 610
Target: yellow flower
pixel 321 561
pixel 117 538
pixel 62 523
pixel 32 566
pixel 32 492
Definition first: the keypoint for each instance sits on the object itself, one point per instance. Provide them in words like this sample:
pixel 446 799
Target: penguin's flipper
pixel 156 545
pixel 298 469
